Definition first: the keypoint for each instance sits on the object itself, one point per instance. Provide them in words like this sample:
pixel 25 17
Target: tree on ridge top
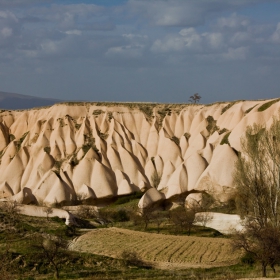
pixel 195 98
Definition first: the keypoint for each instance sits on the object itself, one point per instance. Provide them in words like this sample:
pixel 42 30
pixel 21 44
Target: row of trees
pixel 257 180
pixel 182 219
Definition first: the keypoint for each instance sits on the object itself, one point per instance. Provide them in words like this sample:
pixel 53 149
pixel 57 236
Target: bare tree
pixel 146 216
pixel 87 212
pixel 53 250
pixel 10 216
pixel 257 180
pixel 48 211
pixel 203 218
pixel 195 98
pixel 158 217
pixel 183 218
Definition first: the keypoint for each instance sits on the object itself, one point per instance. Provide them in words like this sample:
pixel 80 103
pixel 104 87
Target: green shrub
pixel 110 116
pixel 103 136
pixel 97 112
pixel 248 259
pixel 47 150
pixel 225 139
pixel 120 216
pixel 12 137
pixel 267 105
pixel 227 107
pixel 223 131
pixel 250 109
pixel 77 126
pixel 187 135
pixel 211 125
pixel 175 140
pixel 128 198
pixel 131 258
pixel 147 109
pixel 58 220
pixel 74 161
pixel 23 136
pixel 61 122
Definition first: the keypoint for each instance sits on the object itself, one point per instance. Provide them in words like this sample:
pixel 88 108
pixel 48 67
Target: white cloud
pixel 168 44
pixel 233 22
pixel 236 54
pixel 169 12
pixel 128 51
pixel 50 46
pixel 73 32
pixel 135 36
pixel 7 32
pixel 276 34
pixel 215 39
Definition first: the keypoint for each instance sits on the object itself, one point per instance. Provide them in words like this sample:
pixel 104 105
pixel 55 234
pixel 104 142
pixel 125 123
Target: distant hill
pixel 15 101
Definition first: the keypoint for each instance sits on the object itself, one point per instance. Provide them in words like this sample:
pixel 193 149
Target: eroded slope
pixel 98 151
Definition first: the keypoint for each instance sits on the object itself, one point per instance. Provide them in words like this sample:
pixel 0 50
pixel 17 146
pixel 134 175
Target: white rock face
pixel 96 151
pixel 224 223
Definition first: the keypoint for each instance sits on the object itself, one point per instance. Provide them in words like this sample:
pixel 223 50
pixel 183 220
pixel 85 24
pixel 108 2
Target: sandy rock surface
pixel 98 151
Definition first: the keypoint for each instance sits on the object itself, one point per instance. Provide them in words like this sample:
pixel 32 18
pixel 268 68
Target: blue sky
pixel 141 50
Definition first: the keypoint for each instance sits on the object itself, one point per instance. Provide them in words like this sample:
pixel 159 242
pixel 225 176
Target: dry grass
pixel 163 251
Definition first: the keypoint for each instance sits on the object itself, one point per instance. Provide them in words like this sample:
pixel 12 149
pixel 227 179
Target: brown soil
pixel 162 251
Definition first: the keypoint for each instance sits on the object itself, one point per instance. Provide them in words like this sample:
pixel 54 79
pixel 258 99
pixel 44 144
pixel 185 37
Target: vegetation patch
pixel 175 140
pixel 250 109
pixel 147 109
pixel 110 116
pixel 11 137
pixel 211 125
pixel 89 142
pixel 103 136
pixel 227 107
pixel 267 105
pixel 225 139
pixel 187 135
pixel 222 131
pixel 98 112
pixel 163 112
pixel 47 149
pixel 61 122
pixel 74 161
pixel 128 198
pixel 19 142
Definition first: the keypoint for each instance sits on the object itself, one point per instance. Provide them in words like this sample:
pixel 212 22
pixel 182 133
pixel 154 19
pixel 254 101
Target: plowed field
pixel 163 251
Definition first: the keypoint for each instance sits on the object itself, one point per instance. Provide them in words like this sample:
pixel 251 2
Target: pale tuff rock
pixel 151 197
pixel 98 151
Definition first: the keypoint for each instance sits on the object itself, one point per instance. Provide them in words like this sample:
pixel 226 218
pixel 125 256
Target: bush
pixel 227 107
pixel 47 150
pixel 250 109
pixel 128 198
pixel 267 105
pixel 120 216
pixel 248 259
pixel 225 139
pixel 58 220
pixel 211 125
pixel 131 258
pixel 187 135
pixel 175 140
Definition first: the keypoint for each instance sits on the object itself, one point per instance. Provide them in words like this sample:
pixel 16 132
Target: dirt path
pixel 163 251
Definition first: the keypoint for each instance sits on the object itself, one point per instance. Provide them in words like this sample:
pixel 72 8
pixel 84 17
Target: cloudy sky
pixel 141 50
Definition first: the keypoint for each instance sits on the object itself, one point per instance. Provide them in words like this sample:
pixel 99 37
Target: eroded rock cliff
pixel 98 151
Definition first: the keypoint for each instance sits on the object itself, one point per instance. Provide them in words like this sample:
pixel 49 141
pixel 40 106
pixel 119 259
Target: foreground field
pixel 164 251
